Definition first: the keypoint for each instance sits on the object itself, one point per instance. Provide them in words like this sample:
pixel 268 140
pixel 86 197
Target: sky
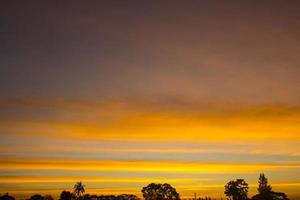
pixel 119 94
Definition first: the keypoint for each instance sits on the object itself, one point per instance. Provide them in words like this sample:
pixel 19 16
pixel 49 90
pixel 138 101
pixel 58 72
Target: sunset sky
pixel 119 94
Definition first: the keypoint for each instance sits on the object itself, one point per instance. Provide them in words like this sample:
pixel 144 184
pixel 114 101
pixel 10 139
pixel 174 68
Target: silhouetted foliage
pixel 93 197
pixel 204 198
pixel 66 195
pixel 127 197
pixel 6 197
pixel 271 196
pixel 265 191
pixel 87 197
pixel 160 192
pixel 106 197
pixel 237 190
pixel 234 190
pixel 36 197
pixel 48 197
pixel 263 186
pixel 79 190
pixel 110 197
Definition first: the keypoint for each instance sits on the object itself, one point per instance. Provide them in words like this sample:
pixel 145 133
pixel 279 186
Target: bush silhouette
pixel 36 197
pixel 66 195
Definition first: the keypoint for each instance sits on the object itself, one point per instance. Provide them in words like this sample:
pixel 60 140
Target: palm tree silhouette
pixel 79 189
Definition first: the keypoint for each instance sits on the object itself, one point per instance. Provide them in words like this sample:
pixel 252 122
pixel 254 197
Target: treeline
pixel 234 190
pixel 238 190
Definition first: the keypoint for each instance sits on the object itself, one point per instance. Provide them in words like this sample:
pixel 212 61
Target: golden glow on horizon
pixel 244 125
pixel 139 166
pixel 252 131
pixel 59 179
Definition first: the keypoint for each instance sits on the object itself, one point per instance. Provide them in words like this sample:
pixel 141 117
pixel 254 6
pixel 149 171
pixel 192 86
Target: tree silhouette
pixel 79 189
pixel 237 190
pixel 160 192
pixel 263 186
pixel 66 195
pixel 265 191
pixel 6 197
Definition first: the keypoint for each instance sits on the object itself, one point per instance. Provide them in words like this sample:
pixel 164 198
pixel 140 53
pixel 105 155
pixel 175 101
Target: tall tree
pixel 265 191
pixel 79 189
pixel 263 186
pixel 237 190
